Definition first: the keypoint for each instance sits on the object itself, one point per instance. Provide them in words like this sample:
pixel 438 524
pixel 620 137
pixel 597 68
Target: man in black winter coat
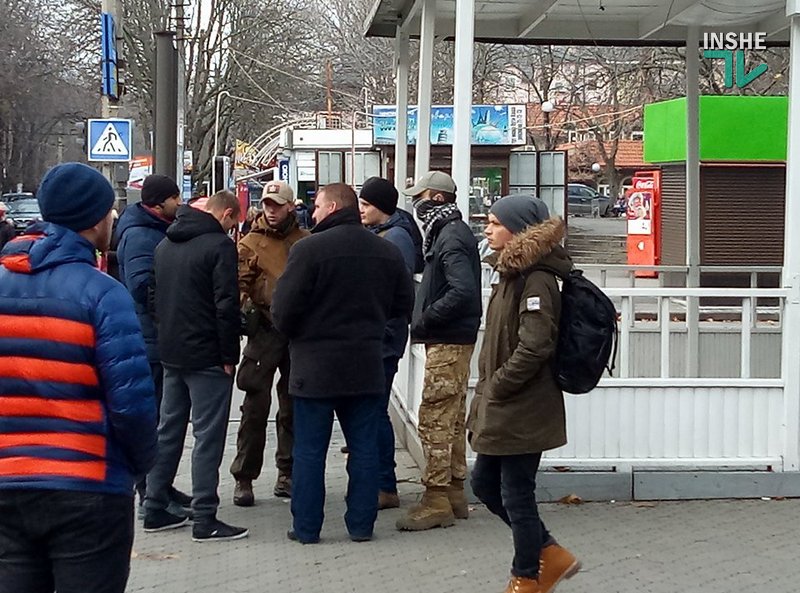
pixel 446 318
pixel 338 290
pixel 197 314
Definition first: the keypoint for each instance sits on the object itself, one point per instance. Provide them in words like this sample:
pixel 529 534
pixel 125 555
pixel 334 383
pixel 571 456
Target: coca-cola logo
pixel 644 184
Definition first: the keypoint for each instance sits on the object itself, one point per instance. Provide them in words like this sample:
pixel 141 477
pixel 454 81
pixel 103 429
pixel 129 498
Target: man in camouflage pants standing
pixel 446 318
pixel 262 258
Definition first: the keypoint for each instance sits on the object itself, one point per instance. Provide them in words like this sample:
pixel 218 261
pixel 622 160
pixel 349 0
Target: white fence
pixel 661 411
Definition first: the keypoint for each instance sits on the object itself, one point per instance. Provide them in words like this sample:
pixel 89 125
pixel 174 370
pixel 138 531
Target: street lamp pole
pixel 216 139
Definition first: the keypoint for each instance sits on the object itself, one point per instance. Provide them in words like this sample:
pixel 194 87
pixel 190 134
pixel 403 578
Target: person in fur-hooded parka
pixel 518 409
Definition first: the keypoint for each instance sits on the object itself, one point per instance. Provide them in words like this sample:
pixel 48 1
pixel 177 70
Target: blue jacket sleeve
pixel 138 254
pixel 402 240
pixel 125 377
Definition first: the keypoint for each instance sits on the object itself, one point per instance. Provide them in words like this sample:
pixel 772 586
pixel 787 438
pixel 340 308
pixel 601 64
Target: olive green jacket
pixel 518 406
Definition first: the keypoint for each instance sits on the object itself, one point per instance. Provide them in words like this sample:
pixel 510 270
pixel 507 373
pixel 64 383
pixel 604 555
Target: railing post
pixel 663 324
pixel 747 322
pixel 625 338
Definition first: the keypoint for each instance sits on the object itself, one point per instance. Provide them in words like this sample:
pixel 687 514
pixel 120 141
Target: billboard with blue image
pixel 491 124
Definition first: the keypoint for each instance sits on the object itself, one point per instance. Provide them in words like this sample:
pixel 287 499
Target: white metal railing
pixel 602 272
pixel 746 320
pixel 665 311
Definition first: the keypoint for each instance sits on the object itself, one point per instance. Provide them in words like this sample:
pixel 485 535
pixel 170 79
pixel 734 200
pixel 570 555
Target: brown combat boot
pixel 555 565
pixel 388 500
pixel 243 493
pixel 458 501
pixel 433 511
pixel 283 487
pixel 523 585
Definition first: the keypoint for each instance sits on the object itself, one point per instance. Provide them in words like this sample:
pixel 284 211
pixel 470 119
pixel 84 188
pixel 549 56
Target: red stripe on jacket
pixel 32 466
pixel 38 369
pixel 78 410
pixel 47 328
pixel 92 444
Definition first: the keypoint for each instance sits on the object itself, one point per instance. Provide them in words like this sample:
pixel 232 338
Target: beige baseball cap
pixel 277 191
pixel 433 180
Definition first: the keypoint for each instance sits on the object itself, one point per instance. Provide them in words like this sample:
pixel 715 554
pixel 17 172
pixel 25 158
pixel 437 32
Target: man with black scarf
pixel 338 290
pixel 446 318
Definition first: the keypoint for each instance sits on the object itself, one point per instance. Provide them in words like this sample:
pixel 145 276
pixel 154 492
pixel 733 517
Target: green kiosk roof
pixel 732 129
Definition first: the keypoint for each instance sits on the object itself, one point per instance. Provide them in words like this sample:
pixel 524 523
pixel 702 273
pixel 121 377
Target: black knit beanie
pixel 156 189
pixel 381 193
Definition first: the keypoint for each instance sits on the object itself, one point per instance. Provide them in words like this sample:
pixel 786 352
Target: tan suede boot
pixel 555 565
pixel 523 585
pixel 458 501
pixel 433 511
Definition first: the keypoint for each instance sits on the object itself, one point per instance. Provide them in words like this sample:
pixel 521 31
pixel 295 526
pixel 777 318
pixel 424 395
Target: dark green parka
pixel 518 406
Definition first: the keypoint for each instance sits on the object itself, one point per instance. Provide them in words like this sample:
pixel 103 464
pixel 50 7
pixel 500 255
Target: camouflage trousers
pixel 442 413
pixel 255 377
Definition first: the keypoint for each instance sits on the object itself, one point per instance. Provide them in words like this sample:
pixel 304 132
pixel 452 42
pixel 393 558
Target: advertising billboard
pixel 491 124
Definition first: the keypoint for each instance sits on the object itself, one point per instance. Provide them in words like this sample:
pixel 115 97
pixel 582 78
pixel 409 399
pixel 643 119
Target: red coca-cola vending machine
pixel 644 221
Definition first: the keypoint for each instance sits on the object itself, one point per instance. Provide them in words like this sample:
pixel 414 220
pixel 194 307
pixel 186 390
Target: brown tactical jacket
pixel 518 407
pixel 262 258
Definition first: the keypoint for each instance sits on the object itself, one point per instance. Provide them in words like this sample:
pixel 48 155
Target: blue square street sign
pixel 109 140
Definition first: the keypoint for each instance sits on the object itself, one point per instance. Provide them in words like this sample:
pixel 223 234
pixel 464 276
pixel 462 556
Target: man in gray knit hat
pixel 518 408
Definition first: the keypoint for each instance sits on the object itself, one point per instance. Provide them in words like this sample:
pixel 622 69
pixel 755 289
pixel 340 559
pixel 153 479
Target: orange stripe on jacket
pixel 38 369
pixel 85 443
pixel 79 411
pixel 33 466
pixel 47 328
pixel 28 237
pixel 17 263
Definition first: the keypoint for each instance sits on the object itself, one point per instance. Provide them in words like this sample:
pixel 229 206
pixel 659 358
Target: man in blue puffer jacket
pixel 77 405
pixel 140 229
pixel 379 213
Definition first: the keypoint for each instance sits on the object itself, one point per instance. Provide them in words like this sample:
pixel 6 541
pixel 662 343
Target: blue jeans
pixel 73 542
pixel 205 395
pixel 313 424
pixel 387 479
pixel 506 484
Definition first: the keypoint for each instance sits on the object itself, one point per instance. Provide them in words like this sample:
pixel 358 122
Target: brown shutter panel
pixel 673 215
pixel 742 214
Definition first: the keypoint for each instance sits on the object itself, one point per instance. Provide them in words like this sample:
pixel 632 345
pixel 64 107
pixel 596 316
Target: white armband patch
pixel 533 304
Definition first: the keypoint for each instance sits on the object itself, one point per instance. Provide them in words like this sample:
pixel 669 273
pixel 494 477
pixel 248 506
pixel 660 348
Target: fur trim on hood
pixel 531 246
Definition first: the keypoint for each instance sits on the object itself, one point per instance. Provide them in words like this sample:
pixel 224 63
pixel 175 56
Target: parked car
pixel 23 209
pixel 579 200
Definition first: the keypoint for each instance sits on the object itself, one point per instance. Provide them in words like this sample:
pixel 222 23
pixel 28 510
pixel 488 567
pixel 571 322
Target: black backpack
pixel 587 334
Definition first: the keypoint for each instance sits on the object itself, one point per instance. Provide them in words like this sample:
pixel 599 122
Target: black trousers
pixel 506 484
pixel 72 542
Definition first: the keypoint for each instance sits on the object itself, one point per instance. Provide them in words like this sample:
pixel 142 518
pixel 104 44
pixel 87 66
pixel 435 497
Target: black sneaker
pixel 217 531
pixel 160 520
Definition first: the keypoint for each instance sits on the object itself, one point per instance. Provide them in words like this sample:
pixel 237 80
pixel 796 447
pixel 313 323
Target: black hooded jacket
pixel 197 293
pixel 448 307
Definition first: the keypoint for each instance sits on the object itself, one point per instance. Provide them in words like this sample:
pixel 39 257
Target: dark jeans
pixel 313 424
pixel 206 395
pixel 506 484
pixel 73 542
pixel 387 479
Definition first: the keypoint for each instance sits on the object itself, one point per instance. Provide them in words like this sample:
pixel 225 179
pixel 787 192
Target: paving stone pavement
pixel 702 547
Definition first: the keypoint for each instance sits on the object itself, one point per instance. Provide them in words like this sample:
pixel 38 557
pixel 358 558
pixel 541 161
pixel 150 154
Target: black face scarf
pixel 430 212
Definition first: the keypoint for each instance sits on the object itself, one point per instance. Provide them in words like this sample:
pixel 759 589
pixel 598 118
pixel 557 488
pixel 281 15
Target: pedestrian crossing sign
pixel 109 140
